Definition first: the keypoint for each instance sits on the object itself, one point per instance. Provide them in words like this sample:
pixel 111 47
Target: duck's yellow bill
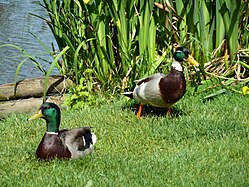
pixel 192 61
pixel 36 116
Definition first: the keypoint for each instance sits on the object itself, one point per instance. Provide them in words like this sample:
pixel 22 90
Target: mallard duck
pixel 162 90
pixel 73 143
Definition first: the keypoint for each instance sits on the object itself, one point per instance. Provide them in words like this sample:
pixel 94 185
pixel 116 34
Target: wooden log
pixel 19 106
pixel 26 105
pixel 33 87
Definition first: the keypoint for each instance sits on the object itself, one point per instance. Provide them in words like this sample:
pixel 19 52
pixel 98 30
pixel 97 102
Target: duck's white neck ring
pixel 176 65
pixel 55 133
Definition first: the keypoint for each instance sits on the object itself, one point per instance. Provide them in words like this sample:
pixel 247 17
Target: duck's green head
pixel 51 113
pixel 183 54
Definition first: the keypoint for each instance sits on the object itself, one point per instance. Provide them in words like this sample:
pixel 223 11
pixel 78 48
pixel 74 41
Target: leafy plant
pixel 218 85
pixel 81 95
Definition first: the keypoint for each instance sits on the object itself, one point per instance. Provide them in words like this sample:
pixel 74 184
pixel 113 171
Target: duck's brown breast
pixel 172 86
pixel 51 147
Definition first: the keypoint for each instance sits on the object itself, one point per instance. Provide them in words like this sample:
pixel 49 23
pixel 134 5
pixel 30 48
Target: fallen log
pixel 33 87
pixel 19 106
pixel 26 105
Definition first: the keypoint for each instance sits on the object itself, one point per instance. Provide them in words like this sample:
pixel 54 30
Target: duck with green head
pixel 163 90
pixel 73 143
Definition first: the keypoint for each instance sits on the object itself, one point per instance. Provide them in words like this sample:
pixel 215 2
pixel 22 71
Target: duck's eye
pixel 46 107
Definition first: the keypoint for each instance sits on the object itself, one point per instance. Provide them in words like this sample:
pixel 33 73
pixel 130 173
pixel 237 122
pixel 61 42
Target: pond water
pixel 16 24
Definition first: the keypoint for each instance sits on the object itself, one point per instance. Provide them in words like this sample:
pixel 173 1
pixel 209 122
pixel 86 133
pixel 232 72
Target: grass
pixel 203 144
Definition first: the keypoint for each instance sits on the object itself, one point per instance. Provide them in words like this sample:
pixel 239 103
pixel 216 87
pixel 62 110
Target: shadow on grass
pixel 154 111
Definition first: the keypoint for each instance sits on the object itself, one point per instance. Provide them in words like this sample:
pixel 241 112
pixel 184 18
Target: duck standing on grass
pixel 73 143
pixel 162 90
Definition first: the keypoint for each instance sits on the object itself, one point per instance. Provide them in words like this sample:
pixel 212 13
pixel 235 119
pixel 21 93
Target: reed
pixel 120 41
pixel 115 39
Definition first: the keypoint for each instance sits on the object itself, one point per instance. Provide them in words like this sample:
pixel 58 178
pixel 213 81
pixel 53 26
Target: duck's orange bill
pixel 36 116
pixel 192 61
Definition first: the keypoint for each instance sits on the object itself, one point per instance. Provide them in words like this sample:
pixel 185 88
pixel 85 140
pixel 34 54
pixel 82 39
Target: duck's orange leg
pixel 140 108
pixel 168 109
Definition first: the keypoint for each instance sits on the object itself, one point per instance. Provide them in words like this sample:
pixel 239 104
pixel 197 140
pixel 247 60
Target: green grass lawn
pixel 203 144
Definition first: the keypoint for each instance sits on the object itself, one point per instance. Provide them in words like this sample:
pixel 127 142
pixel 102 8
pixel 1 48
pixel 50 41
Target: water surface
pixel 16 24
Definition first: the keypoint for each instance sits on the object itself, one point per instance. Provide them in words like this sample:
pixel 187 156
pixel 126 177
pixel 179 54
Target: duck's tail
pixel 89 140
pixel 94 138
pixel 128 94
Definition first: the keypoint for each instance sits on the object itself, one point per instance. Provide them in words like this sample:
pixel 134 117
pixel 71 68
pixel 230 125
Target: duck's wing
pixel 149 78
pixel 80 141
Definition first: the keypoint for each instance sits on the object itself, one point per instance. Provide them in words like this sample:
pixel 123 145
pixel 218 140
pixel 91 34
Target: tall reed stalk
pixel 115 39
pixel 122 40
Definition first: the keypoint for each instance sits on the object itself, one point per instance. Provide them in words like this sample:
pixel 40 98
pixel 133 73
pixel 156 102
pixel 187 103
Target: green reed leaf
pixel 50 70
